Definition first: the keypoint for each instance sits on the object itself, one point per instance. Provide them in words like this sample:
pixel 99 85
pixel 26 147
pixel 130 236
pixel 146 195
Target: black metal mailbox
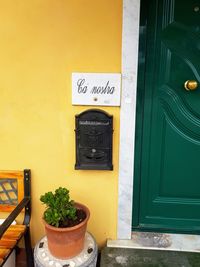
pixel 94 130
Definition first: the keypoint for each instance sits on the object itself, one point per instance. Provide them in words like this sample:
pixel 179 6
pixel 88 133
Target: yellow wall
pixel 42 43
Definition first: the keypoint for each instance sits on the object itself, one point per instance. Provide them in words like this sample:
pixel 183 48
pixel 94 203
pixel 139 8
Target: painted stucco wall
pixel 42 43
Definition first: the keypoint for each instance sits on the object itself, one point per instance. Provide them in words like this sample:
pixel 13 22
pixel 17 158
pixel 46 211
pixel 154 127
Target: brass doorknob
pixel 191 85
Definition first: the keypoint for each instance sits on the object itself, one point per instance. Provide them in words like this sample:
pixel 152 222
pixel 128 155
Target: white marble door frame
pixel 130 37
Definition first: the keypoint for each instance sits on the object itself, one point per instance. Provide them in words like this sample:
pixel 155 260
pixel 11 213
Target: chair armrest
pixel 8 221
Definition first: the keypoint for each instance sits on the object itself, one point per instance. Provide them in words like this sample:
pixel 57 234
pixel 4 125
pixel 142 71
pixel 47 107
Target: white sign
pixel 99 89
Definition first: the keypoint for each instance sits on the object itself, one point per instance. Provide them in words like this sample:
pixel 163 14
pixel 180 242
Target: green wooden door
pixel 167 165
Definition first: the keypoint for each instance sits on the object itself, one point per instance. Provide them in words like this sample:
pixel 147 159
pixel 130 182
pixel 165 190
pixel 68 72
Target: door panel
pixel 168 121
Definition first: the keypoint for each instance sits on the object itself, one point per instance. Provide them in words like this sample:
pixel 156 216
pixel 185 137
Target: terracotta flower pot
pixel 66 243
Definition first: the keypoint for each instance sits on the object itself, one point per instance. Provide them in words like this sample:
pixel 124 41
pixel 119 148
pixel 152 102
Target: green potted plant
pixel 65 223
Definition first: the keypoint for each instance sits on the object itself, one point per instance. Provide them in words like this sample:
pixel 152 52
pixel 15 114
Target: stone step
pixel 160 241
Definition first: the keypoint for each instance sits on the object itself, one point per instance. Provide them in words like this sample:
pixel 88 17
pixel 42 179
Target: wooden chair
pixel 15 198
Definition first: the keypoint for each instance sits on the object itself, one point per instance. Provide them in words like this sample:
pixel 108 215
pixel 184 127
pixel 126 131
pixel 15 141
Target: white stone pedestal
pixel 87 258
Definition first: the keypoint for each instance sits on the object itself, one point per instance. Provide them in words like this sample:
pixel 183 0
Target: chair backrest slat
pixel 11 189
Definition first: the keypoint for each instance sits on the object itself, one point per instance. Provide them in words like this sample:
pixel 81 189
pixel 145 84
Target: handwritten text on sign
pixel 99 89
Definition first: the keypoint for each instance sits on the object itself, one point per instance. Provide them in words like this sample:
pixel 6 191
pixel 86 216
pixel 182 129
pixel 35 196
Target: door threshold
pixel 159 241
